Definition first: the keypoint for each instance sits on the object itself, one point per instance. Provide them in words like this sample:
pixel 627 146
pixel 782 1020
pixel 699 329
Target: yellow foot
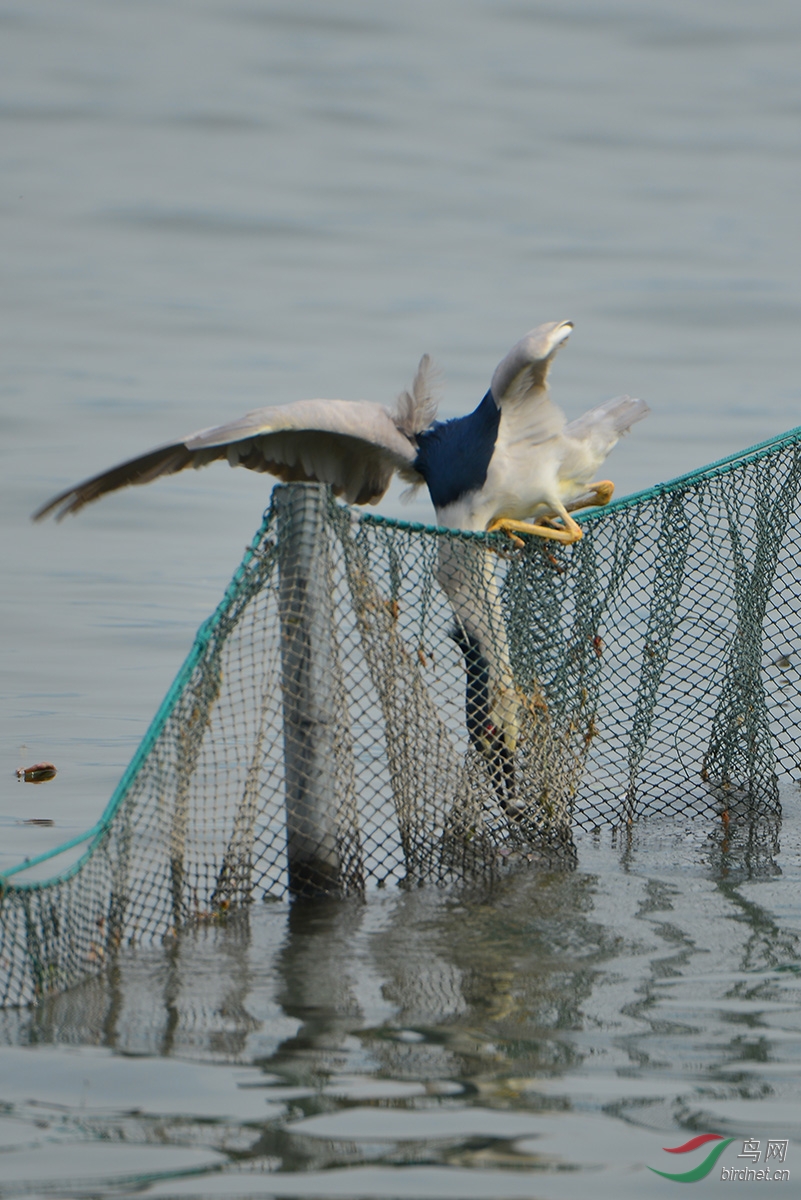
pixel 604 490
pixel 598 494
pixel 567 533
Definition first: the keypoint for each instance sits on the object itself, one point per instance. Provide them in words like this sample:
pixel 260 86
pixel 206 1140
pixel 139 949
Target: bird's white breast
pixel 524 473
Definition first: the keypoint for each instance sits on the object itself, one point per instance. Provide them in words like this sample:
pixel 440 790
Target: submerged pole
pixel 308 686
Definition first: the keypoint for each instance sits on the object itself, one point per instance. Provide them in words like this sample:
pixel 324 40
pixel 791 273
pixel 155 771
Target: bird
pixel 513 465
pixel 516 466
pixel 514 457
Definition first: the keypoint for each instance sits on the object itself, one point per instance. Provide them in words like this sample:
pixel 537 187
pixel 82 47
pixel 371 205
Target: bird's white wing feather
pixel 355 446
pixel 519 384
pixel 589 439
pixel 611 419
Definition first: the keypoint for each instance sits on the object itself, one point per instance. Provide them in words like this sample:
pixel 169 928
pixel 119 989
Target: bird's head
pixel 525 367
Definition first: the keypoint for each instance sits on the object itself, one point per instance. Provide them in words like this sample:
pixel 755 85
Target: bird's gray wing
pixel 590 438
pixel 519 385
pixel 609 420
pixel 354 445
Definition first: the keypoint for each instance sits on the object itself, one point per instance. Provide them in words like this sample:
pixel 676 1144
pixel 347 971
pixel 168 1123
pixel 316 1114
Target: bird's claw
pixel 556 526
pixel 597 495
pixel 567 532
pixel 604 490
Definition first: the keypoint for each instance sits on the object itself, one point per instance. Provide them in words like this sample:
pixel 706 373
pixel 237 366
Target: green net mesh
pixel 318 737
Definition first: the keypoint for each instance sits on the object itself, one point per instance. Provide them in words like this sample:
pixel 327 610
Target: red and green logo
pixel 703 1168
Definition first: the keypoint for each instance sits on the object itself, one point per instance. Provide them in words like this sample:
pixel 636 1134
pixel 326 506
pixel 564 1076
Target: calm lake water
pixel 208 206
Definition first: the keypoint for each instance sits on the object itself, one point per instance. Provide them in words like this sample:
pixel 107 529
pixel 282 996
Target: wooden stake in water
pixel 308 686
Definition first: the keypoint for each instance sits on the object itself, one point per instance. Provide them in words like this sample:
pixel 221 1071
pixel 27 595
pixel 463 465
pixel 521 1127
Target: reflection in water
pixel 650 984
pixel 478 981
pixel 318 971
pixel 491 982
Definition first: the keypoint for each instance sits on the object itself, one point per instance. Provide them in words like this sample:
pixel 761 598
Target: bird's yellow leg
pixel 602 491
pixel 598 494
pixel 569 532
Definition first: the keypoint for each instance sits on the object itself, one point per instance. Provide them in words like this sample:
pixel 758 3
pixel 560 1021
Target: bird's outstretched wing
pixel 519 384
pixel 354 445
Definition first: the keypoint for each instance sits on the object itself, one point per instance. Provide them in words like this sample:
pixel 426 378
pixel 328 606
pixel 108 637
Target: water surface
pixel 207 207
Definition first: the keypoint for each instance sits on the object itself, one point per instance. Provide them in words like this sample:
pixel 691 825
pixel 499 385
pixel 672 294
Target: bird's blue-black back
pixel 453 456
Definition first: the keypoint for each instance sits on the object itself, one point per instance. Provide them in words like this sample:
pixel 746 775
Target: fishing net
pixel 334 725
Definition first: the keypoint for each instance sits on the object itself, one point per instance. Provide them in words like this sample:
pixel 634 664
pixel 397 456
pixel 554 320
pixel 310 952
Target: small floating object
pixel 39 821
pixel 783 662
pixel 38 773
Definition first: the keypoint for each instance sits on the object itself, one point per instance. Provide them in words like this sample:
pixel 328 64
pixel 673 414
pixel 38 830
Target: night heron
pixel 513 458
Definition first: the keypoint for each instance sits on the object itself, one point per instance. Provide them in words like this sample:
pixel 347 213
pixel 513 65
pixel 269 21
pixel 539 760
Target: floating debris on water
pixel 38 773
